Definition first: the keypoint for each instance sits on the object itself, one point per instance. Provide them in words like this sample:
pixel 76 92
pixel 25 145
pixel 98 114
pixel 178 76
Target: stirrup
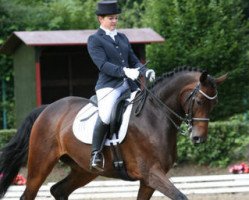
pixel 94 165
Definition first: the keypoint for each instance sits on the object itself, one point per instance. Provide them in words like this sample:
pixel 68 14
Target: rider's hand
pixel 131 73
pixel 150 75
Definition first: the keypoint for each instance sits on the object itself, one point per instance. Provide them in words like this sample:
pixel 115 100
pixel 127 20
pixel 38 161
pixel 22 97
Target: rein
pixel 188 119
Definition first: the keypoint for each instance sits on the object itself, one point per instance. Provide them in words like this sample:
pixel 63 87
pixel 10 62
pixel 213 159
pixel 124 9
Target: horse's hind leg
pixel 36 176
pixel 40 163
pixel 76 178
pixel 145 192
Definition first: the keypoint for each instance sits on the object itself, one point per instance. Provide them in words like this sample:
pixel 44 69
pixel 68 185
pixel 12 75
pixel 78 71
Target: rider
pixel 118 67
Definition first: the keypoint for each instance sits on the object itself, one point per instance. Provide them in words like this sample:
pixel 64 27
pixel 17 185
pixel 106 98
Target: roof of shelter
pixel 72 37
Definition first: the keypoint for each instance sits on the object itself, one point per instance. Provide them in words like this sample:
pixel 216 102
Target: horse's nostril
pixel 196 139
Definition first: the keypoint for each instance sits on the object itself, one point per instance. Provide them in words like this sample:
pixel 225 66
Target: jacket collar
pixel 102 33
pixel 108 32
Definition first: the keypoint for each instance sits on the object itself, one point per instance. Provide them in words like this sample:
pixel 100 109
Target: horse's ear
pixel 221 79
pixel 203 76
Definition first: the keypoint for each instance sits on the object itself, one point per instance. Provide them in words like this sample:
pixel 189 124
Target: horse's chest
pixel 167 154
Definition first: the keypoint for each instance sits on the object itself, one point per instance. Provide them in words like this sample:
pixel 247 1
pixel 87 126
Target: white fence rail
pixel 113 189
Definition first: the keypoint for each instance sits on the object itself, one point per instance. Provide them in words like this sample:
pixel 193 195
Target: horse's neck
pixel 154 124
pixel 168 91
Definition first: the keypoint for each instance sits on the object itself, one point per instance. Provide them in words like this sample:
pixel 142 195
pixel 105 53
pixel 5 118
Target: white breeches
pixel 107 98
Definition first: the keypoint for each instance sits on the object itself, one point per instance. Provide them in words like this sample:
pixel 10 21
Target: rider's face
pixel 109 21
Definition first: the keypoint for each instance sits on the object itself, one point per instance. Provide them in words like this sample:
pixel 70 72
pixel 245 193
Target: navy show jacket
pixel 110 57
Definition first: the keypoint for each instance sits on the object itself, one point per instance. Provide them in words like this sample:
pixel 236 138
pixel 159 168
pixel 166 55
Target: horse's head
pixel 198 101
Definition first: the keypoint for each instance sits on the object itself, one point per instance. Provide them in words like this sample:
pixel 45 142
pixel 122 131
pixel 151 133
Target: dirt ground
pixel 61 171
pixel 239 196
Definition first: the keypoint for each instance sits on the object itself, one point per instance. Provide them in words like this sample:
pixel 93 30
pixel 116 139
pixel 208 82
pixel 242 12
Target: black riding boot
pixel 99 134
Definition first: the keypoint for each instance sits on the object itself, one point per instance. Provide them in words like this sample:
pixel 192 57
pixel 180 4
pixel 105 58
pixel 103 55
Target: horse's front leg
pixel 158 180
pixel 145 192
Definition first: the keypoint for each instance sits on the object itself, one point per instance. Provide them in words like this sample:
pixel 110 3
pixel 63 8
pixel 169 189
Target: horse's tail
pixel 14 154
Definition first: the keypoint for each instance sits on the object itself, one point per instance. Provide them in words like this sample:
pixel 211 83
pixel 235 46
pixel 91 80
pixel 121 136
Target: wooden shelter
pixel 49 65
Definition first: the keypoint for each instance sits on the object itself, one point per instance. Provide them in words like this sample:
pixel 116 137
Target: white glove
pixel 131 73
pixel 150 74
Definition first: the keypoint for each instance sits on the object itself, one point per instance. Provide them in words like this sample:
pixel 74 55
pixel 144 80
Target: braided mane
pixel 174 72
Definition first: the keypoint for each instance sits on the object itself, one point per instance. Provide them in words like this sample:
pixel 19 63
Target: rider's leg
pixel 99 135
pixel 107 98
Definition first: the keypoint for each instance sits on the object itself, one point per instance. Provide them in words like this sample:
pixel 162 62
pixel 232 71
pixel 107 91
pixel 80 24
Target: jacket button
pixel 122 61
pixel 116 47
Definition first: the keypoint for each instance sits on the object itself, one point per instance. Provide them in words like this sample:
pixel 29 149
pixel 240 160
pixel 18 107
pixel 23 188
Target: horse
pixel 149 149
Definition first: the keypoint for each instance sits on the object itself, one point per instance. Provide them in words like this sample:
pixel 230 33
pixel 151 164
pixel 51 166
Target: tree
pixel 26 15
pixel 6 72
pixel 209 34
pixel 132 13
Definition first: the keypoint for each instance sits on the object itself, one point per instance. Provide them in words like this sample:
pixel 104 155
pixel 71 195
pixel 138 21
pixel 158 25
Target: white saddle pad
pixel 83 129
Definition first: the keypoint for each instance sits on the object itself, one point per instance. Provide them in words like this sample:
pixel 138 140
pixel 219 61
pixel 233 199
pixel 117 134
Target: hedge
pixel 5 136
pixel 228 141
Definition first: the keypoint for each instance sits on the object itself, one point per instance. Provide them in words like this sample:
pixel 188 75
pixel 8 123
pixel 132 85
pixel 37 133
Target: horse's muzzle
pixel 198 139
pixel 199 134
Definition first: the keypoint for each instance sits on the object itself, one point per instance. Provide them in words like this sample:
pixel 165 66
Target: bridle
pixel 188 118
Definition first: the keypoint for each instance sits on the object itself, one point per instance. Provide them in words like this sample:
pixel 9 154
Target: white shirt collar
pixel 110 33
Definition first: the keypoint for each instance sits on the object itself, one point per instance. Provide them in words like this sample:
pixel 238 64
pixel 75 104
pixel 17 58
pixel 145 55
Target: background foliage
pixel 6 135
pixel 210 34
pixel 227 141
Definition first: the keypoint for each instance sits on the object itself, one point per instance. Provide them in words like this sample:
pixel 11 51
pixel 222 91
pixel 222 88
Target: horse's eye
pixel 199 102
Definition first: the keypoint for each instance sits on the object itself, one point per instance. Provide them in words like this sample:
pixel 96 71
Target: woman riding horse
pixel 149 149
pixel 115 59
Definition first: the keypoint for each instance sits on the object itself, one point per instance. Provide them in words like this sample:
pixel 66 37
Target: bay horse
pixel 149 149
